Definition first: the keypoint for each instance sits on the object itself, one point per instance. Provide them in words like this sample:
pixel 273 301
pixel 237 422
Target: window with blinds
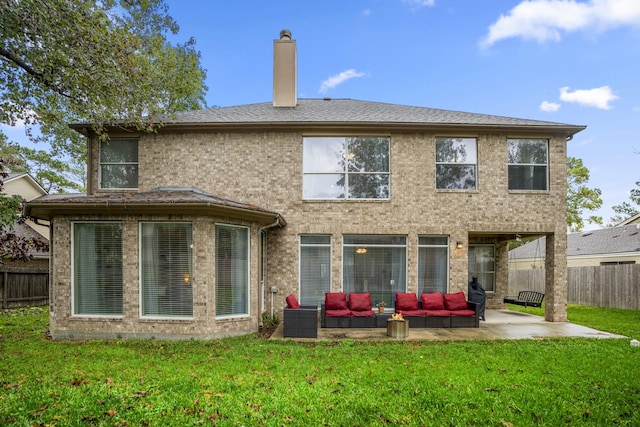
pixel 97 268
pixel 232 270
pixel 433 264
pixel 166 269
pixel 315 269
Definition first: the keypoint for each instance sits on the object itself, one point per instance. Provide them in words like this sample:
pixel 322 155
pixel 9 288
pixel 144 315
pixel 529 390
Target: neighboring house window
pixel 617 262
pixel 119 163
pixel 456 163
pixel 346 167
pixel 433 264
pixel 482 264
pixel 315 269
pixel 376 264
pixel 528 164
pixel 232 270
pixel 166 269
pixel 97 268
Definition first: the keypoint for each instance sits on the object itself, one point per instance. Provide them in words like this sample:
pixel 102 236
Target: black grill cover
pixel 477 294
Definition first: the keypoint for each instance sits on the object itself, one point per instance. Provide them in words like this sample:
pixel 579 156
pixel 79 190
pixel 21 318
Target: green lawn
pixel 251 381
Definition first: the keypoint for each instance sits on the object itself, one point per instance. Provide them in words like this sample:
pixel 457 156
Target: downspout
pixel 263 231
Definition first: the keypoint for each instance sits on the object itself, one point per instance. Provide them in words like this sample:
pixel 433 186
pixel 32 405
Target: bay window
pixel 166 269
pixel 232 270
pixel 97 268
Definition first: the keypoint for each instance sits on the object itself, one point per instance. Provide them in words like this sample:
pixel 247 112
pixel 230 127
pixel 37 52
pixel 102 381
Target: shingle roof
pixel 604 241
pixel 347 111
pixel 180 198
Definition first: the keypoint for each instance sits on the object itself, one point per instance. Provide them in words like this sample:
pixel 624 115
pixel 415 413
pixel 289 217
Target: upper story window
pixel 528 163
pixel 346 167
pixel 456 163
pixel 119 163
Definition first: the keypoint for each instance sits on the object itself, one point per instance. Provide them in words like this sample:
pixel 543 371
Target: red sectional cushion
pixel 466 313
pixel 432 301
pixel 438 313
pixel 335 301
pixel 406 302
pixel 363 313
pixel 410 313
pixel 292 301
pixel 359 302
pixel 456 301
pixel 338 313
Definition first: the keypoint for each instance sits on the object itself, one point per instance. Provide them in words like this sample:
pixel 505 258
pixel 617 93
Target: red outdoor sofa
pixel 433 310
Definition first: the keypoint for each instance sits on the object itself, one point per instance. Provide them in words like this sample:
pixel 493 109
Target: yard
pixel 253 381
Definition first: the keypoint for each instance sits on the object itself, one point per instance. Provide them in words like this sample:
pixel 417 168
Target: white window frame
pixel 101 163
pixel 324 269
pixel 448 258
pixel 248 272
pixel 345 172
pixel 73 270
pixel 546 165
pixel 460 163
pixel 141 277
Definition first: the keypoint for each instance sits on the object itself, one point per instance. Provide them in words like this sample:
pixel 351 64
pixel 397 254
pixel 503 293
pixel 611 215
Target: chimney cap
pixel 285 34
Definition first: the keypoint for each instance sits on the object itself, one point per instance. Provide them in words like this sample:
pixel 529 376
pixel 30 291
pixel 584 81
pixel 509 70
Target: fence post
pixel 5 278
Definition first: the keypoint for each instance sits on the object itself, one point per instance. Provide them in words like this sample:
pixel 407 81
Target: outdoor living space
pixel 499 324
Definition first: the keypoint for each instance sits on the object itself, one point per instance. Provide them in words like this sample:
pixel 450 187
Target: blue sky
pixel 567 61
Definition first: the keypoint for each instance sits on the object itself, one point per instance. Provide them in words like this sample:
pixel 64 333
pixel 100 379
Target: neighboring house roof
pixel 166 199
pixel 15 176
pixel 631 220
pixel 611 240
pixel 348 112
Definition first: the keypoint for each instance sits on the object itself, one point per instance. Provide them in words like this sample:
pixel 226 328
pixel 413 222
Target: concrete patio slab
pixel 500 324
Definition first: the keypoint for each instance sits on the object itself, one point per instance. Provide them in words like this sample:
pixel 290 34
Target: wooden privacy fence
pixel 21 287
pixel 616 286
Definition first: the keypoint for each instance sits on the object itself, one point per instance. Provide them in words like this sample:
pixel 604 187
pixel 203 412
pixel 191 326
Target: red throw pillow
pixel 456 301
pixel 432 301
pixel 359 302
pixel 292 301
pixel 335 301
pixel 406 301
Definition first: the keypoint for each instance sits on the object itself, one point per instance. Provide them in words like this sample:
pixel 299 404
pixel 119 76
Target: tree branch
pixel 29 70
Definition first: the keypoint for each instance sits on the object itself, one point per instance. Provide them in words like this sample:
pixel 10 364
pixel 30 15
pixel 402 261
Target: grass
pixel 252 381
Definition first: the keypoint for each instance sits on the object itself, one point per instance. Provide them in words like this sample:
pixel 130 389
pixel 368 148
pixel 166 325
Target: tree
pixel 625 209
pixel 106 63
pixel 54 175
pixel 580 198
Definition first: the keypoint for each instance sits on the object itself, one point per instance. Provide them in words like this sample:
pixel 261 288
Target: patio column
pixel 555 287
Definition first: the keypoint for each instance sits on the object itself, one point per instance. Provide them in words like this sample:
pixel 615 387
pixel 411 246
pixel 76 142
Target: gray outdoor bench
pixel 526 299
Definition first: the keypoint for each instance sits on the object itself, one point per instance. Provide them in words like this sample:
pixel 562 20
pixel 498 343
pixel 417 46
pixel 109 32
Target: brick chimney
pixel 285 74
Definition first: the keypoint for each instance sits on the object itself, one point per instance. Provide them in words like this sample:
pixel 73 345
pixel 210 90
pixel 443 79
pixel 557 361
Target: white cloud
pixel 366 12
pixel 544 20
pixel 599 97
pixel 334 81
pixel 549 107
pixel 420 3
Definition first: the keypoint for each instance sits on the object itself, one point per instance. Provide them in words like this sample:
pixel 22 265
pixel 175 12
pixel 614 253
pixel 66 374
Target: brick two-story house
pixel 196 230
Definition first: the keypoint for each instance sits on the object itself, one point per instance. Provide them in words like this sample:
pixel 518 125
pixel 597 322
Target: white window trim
pixel 140 291
pixel 547 165
pixel 475 165
pixel 248 313
pixel 301 245
pixel 434 246
pixel 73 276
pixel 100 164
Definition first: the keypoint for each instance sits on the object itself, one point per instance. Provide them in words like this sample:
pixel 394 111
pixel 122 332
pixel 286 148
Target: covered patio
pixel 500 324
